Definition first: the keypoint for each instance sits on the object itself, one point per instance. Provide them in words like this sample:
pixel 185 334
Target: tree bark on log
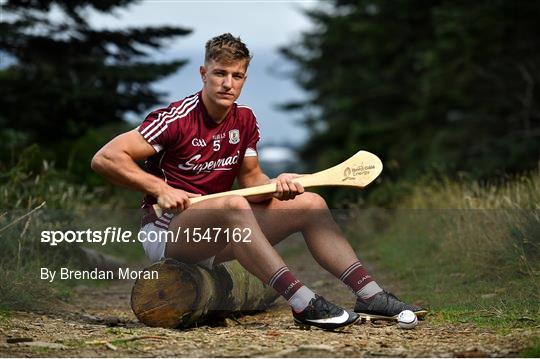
pixel 183 294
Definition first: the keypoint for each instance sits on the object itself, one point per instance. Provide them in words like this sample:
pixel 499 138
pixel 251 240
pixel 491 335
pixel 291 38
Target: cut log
pixel 186 294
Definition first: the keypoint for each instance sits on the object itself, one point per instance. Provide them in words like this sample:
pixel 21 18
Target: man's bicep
pixel 141 149
pixel 133 144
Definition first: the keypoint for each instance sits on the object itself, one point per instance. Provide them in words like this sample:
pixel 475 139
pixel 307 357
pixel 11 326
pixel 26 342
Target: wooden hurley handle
pixel 244 192
pixel 358 171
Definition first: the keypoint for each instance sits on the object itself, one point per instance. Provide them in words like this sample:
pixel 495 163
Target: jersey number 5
pixel 217 145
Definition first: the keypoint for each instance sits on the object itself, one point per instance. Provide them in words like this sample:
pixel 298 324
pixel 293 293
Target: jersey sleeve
pixel 254 136
pixel 157 130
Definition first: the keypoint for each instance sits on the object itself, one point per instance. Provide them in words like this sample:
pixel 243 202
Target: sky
pixel 263 25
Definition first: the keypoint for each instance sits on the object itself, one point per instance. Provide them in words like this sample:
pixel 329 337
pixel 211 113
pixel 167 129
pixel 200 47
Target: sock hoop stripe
pixel 349 270
pixel 276 276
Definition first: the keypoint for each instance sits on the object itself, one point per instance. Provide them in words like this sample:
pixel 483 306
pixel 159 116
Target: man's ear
pixel 202 71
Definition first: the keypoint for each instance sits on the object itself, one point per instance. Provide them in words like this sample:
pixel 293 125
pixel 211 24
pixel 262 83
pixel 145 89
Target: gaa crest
pixel 234 136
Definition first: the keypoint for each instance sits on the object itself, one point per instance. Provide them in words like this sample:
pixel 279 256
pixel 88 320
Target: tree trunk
pixel 185 294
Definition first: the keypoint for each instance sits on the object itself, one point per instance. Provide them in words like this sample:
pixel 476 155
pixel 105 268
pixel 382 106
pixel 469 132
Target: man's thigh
pixel 277 220
pixel 200 231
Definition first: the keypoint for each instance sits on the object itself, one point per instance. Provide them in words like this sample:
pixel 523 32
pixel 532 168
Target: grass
pixel 68 206
pixel 118 331
pixel 74 343
pixel 468 250
pixel 5 315
pixel 532 350
pixel 42 350
pixel 22 289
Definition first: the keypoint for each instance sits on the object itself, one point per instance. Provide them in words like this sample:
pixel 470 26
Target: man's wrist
pixel 158 188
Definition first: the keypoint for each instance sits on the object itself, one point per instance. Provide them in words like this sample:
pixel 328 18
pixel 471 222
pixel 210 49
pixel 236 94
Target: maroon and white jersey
pixel 194 153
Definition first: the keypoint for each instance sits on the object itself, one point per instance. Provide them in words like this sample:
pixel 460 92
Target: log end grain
pixel 165 301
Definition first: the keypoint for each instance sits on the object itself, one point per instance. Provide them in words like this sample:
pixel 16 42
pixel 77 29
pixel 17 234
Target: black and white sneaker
pixel 324 314
pixel 385 306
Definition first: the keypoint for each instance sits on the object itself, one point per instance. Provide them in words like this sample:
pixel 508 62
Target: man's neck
pixel 217 114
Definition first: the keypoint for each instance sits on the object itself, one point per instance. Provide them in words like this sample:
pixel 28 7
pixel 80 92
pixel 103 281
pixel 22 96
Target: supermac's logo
pixel 221 164
pixel 234 137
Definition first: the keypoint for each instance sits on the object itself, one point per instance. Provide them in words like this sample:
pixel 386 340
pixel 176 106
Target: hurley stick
pixel 358 171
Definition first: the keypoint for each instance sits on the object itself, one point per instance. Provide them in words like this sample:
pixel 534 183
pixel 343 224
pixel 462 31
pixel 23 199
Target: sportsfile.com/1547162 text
pixel 118 235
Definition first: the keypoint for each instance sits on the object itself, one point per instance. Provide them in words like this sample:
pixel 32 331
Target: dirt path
pixel 99 323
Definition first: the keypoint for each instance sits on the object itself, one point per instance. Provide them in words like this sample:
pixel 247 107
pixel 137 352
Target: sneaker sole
pixel 364 317
pixel 304 326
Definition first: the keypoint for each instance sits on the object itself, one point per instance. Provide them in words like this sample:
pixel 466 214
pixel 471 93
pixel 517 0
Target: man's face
pixel 223 82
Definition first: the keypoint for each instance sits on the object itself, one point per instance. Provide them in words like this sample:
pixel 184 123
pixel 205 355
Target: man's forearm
pixel 253 181
pixel 256 181
pixel 121 170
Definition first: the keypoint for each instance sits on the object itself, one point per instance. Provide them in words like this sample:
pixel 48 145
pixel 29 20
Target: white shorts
pixel 155 250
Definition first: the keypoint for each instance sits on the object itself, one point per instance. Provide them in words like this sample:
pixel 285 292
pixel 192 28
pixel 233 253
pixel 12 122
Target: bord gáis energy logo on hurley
pixel 349 173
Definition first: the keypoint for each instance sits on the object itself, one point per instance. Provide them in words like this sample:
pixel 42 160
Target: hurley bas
pixel 122 273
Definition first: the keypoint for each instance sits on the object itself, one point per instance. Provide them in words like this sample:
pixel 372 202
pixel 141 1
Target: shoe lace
pixel 392 301
pixel 392 295
pixel 321 304
pixel 399 302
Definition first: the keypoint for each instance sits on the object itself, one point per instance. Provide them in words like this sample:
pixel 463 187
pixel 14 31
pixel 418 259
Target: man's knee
pixel 310 200
pixel 235 202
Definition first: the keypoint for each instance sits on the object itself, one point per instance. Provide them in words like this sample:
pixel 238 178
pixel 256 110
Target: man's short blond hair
pixel 226 49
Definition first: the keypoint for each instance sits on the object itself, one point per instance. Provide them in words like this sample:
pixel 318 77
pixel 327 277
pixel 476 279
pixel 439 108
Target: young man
pixel 200 145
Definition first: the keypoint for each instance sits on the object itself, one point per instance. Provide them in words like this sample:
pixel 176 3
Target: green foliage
pixel 22 289
pixel 438 86
pixel 25 187
pixel 63 78
pixel 67 89
pixel 471 251
pixel 533 350
pixel 5 315
pixel 77 154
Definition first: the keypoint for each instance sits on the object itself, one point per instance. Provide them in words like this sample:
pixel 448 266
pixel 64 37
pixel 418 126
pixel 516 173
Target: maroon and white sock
pixel 359 280
pixel 296 293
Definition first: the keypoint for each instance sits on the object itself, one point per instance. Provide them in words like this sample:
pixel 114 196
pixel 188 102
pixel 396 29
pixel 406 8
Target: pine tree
pixel 60 77
pixel 443 85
